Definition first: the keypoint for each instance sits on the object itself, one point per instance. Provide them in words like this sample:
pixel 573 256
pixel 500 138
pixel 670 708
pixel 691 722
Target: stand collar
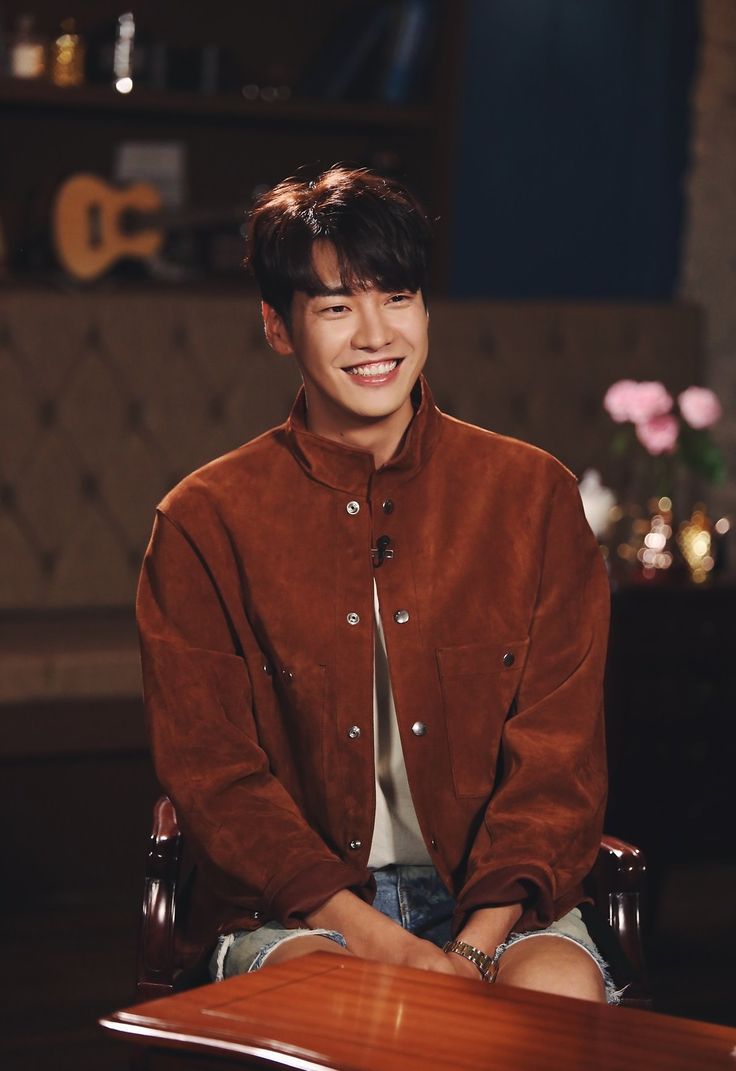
pixel 349 468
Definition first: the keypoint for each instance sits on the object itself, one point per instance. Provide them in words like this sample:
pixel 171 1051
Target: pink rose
pixel 637 402
pixel 659 435
pixel 700 407
pixel 617 400
pixel 649 400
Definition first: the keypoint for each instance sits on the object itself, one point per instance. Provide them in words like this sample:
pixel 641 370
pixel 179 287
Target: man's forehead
pixel 324 254
pixel 332 282
pixel 326 264
pixel 326 267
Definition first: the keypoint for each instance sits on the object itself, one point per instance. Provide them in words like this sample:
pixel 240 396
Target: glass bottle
pixel 28 50
pixel 67 56
pixel 122 61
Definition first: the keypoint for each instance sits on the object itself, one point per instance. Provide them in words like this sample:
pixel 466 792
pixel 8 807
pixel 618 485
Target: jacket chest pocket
pixel 479 682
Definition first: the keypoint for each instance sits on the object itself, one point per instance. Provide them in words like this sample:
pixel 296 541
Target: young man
pixel 373 643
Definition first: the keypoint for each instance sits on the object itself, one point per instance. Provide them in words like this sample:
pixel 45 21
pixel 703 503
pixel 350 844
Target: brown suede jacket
pixel 256 619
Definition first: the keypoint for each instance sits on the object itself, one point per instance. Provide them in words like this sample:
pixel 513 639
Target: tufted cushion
pixel 107 399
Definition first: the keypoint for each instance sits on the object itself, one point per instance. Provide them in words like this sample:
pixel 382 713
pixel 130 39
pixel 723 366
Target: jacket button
pixel 255 914
pixel 508 658
pixel 353 619
pixel 267 669
pixel 355 844
pixel 419 728
pixel 433 842
pixel 401 617
pixel 287 676
pixel 353 507
pixel 354 732
pixel 388 506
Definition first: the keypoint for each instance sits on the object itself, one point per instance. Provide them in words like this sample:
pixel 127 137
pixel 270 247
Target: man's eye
pixel 336 308
pixel 399 299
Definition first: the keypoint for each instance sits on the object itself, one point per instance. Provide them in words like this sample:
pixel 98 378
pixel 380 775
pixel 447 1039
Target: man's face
pixel 359 353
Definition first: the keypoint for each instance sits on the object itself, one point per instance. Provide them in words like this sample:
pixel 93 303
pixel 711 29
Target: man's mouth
pixel 375 368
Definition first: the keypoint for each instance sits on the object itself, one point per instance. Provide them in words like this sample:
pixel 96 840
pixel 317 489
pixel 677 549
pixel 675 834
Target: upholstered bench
pixel 108 398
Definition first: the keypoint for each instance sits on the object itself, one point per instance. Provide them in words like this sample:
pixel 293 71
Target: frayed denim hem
pixel 223 947
pixel 218 962
pixel 332 935
pixel 613 995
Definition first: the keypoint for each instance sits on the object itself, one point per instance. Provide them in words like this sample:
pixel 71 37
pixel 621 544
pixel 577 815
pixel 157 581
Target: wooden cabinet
pixel 671 711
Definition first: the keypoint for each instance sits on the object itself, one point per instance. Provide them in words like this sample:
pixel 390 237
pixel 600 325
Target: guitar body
pixel 95 224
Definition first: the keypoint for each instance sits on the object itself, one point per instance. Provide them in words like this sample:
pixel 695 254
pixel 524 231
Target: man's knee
pixel 302 946
pixel 552 965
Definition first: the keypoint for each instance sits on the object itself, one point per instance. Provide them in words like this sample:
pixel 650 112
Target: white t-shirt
pixel 396 834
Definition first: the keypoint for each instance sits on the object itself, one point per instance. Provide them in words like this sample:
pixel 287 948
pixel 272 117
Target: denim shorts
pixel 414 897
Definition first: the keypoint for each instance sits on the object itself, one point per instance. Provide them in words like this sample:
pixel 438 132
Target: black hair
pixel 379 230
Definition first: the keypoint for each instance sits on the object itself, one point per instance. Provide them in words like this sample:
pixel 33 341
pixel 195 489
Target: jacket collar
pixel 349 468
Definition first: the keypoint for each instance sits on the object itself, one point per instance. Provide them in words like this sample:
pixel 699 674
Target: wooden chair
pixel 615 884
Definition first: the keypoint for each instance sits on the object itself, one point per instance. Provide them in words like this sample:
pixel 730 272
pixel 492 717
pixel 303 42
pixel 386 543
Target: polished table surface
pixel 329 1011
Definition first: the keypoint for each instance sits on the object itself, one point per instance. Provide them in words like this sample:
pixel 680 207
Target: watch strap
pixel 485 963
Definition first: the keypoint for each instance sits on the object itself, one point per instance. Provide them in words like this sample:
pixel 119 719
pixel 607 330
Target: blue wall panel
pixel 572 147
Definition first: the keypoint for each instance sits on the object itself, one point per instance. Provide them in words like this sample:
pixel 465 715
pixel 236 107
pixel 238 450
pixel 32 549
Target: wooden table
pixel 328 1011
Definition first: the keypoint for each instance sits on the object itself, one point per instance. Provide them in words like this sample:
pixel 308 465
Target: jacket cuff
pixel 308 889
pixel 529 886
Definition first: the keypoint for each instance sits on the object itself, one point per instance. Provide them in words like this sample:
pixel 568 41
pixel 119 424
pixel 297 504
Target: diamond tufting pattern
pixel 105 401
pixel 108 399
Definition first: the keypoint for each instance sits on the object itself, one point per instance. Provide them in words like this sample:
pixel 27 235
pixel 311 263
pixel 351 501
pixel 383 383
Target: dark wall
pixel 572 147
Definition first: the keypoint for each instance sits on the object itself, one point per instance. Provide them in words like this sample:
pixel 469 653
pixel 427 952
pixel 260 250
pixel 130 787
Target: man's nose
pixel 373 331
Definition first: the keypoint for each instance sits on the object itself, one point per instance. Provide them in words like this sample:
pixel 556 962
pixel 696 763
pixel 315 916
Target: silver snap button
pixel 401 617
pixel 353 507
pixel 353 619
pixel 508 658
pixel 388 506
pixel 419 728
pixel 267 669
pixel 433 842
pixel 287 676
pixel 256 914
pixel 354 732
pixel 355 844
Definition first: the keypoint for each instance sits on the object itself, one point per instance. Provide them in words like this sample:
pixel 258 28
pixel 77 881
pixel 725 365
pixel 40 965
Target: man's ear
pixel 277 334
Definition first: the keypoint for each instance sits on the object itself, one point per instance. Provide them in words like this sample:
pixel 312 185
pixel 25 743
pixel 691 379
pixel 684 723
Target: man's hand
pixel 426 957
pixel 372 935
pixel 486 929
pixel 462 967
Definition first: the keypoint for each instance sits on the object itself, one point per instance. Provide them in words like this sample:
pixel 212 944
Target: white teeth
pixel 382 368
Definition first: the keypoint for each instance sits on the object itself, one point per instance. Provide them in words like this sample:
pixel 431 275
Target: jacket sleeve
pixel 239 819
pixel 541 829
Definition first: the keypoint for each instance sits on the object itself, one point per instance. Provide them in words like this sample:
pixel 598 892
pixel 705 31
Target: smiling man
pixel 360 351
pixel 373 643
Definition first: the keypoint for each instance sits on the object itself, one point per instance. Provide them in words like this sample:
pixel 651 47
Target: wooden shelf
pixel 39 95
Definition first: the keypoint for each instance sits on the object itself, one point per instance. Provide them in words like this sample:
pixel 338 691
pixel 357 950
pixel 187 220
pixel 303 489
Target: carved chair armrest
pixel 618 882
pixel 156 940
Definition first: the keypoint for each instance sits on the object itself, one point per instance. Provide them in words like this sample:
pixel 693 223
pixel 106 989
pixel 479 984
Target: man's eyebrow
pixel 330 291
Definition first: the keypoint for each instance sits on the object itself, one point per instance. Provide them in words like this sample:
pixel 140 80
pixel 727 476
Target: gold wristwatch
pixel 488 969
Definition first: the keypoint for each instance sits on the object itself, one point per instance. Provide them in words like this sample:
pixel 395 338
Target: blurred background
pixel 579 160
